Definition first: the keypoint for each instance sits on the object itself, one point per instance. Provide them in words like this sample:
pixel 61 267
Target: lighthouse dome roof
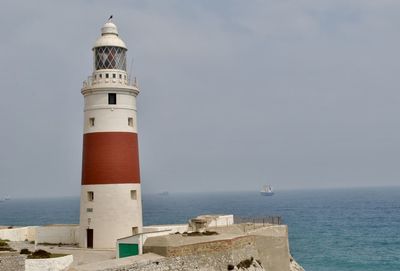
pixel 109 36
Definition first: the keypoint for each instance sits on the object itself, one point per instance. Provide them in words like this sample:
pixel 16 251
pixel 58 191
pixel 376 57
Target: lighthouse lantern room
pixel 110 205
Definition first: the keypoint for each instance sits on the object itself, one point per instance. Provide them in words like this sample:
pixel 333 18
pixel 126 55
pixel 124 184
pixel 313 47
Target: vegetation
pixel 3 243
pixel 25 251
pixel 43 254
pixel 196 233
pixel 245 263
pixel 210 233
pixel 39 254
pixel 4 246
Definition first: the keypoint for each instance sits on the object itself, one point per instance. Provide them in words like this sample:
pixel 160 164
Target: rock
pixel 294 266
pixel 254 266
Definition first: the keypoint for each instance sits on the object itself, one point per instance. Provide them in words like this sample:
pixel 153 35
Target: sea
pixel 329 229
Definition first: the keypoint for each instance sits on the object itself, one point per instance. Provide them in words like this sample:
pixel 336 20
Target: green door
pixel 126 250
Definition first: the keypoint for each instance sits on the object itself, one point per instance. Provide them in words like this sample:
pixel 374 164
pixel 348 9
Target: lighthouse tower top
pixel 109 63
pixel 109 37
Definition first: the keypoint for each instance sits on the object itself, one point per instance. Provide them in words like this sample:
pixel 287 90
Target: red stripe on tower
pixel 110 158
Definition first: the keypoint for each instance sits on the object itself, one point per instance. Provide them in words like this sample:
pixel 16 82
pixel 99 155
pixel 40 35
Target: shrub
pixel 25 251
pixel 195 233
pixel 245 263
pixel 210 233
pixel 40 254
pixel 3 243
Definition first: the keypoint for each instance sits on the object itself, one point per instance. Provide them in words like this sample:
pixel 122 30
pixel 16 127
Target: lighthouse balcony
pixel 113 78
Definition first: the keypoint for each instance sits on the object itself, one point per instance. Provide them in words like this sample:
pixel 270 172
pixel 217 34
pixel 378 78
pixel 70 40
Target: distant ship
pixel 5 198
pixel 165 193
pixel 267 190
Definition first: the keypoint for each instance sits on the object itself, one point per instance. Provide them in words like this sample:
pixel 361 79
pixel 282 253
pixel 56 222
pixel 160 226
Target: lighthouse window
pixel 90 195
pixel 114 75
pixel 133 195
pixel 110 57
pixel 112 98
pixel 106 75
pixel 120 76
pixel 130 122
pixel 91 122
pixel 89 210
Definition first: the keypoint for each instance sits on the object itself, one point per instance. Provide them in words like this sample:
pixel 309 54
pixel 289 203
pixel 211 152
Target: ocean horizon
pixel 329 229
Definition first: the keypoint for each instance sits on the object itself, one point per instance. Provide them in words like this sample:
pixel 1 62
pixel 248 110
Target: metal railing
pixel 268 220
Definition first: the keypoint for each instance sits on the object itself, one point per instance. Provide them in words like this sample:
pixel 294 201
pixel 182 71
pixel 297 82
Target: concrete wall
pixel 52 264
pixel 212 221
pixel 12 261
pixel 268 244
pixel 172 229
pixel 31 233
pixel 272 244
pixel 18 234
pixel 55 234
pixel 202 246
pixel 218 220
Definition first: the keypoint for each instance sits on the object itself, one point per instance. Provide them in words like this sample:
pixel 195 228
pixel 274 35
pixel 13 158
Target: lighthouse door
pixel 89 235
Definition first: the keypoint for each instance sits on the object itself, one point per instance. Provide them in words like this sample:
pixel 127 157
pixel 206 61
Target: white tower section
pixel 110 206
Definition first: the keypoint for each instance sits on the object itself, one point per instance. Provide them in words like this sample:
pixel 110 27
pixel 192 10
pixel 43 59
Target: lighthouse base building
pixel 110 206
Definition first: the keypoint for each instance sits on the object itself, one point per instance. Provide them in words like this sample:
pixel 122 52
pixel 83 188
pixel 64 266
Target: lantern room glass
pixel 110 57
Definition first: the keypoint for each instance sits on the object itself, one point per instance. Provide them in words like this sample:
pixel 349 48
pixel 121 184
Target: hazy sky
pixel 234 94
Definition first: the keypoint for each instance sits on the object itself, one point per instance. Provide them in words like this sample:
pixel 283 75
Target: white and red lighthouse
pixel 110 206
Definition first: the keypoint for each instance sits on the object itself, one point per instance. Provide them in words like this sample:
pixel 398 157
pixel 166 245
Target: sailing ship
pixel 267 190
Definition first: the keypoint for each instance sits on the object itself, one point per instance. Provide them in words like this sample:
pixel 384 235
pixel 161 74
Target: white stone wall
pixel 55 234
pixel 51 264
pixel 17 234
pixel 221 220
pixel 172 229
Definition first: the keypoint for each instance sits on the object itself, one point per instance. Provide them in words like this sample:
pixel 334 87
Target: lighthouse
pixel 110 204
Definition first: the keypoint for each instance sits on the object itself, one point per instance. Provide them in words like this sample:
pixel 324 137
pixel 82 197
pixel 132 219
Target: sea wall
pixel 272 244
pixel 12 261
pixel 51 264
pixel 176 248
